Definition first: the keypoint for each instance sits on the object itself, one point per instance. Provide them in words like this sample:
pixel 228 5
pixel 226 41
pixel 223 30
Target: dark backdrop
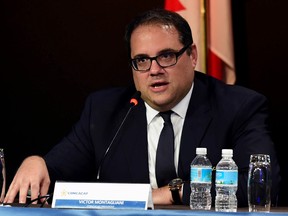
pixel 261 32
pixel 54 53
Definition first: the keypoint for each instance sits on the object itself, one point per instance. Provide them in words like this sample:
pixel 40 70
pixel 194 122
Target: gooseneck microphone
pixel 133 103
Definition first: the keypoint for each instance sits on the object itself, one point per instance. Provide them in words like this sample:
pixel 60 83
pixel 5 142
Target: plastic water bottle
pixel 226 183
pixel 200 181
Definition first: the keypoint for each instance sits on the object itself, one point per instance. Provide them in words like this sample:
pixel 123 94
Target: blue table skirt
pixel 22 211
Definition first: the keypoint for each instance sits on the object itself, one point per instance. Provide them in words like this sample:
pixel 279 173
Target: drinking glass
pixel 259 183
pixel 3 176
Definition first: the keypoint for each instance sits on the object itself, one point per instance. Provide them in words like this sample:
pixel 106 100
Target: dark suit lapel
pixel 197 120
pixel 136 138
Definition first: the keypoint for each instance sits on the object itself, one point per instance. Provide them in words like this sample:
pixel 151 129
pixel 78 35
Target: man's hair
pixel 160 17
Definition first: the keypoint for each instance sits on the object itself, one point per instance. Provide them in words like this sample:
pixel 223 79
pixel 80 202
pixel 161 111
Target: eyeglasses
pixel 164 60
pixel 44 199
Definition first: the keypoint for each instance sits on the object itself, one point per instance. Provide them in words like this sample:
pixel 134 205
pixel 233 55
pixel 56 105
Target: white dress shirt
pixel 154 127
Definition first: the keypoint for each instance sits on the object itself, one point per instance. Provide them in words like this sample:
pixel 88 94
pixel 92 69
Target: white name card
pixel 102 195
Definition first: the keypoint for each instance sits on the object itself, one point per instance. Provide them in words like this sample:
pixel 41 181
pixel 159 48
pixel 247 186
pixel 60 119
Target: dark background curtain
pixel 54 53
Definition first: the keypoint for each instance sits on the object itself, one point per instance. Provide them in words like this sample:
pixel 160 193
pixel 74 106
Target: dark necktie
pixel 165 168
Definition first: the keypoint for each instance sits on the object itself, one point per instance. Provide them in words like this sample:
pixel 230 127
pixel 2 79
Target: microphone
pixel 133 103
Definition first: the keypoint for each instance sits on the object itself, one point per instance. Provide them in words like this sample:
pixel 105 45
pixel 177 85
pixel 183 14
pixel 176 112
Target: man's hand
pixel 162 196
pixel 32 175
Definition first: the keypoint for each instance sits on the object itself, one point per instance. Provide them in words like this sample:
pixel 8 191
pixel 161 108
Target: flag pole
pixel 203 39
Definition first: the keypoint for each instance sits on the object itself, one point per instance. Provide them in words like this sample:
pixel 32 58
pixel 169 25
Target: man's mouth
pixel 157 85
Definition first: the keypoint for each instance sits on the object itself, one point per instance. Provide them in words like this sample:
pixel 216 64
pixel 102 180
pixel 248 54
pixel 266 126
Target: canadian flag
pixel 211 24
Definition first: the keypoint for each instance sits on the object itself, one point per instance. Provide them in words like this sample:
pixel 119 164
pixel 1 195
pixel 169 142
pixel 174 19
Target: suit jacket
pixel 219 116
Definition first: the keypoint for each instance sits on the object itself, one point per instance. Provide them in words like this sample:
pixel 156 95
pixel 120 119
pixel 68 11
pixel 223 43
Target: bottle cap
pixel 227 152
pixel 201 151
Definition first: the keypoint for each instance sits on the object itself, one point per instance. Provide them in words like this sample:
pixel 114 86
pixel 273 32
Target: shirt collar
pixel 180 109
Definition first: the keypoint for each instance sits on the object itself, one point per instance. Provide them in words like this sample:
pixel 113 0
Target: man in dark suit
pixel 206 113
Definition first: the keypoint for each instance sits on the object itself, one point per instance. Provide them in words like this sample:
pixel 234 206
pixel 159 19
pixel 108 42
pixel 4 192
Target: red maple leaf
pixel 173 5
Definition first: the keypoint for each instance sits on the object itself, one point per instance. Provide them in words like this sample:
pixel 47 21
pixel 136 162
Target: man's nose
pixel 155 67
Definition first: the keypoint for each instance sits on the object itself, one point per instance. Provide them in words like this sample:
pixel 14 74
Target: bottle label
pixel 228 177
pixel 201 175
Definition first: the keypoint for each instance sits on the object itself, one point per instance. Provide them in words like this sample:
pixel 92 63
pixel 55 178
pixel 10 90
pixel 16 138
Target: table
pixel 158 211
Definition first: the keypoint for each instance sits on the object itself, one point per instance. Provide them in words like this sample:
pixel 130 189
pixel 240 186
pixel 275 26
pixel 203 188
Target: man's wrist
pixel 175 186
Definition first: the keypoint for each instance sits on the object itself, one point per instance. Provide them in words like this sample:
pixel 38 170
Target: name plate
pixel 102 195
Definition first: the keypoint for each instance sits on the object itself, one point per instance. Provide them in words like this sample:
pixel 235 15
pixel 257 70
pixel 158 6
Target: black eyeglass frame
pixel 177 54
pixel 44 201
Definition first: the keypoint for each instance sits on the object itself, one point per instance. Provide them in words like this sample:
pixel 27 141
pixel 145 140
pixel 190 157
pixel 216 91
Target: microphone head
pixel 134 98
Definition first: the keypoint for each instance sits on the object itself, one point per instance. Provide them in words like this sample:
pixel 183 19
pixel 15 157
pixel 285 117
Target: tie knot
pixel 166 115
